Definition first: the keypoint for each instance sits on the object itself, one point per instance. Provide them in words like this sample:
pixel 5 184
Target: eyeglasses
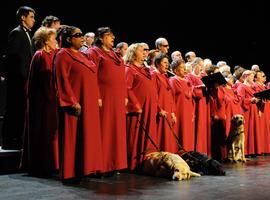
pixel 165 45
pixel 77 35
pixel 109 34
pixel 146 49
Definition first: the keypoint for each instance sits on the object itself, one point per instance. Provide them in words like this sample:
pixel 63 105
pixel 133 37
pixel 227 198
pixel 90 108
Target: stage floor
pixel 242 181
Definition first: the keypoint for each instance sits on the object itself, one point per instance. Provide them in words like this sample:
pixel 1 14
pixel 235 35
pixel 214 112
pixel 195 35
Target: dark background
pixel 236 33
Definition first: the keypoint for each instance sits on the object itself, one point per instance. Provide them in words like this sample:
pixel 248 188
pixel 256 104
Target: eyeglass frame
pixel 165 45
pixel 77 35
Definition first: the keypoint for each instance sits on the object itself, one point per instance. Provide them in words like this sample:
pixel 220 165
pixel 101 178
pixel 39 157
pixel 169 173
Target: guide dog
pixel 167 165
pixel 236 139
pixel 202 163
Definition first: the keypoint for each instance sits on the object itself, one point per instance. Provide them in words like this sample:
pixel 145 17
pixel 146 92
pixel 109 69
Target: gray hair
pixel 159 42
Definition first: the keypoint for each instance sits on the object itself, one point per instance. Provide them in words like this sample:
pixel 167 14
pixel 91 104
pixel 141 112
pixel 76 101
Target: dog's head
pixel 237 120
pixel 178 167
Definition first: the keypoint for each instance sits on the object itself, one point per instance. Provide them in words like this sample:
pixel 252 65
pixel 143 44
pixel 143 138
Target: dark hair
pixel 99 33
pixel 238 73
pixel 59 32
pixel 151 56
pixel 23 11
pixel 67 33
pixel 160 57
pixel 47 21
pixel 237 67
pixel 211 69
pixel 176 63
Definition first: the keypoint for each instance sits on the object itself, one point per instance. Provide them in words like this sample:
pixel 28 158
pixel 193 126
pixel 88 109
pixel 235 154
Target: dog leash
pixel 181 149
pixel 141 122
pixel 174 135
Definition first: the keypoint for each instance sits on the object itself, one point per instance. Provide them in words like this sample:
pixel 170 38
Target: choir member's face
pixel 192 56
pixel 123 50
pixel 164 47
pixel 230 80
pixel 188 68
pixel 260 77
pixel 177 55
pixel 201 63
pixel 108 40
pixel 139 54
pixel 77 39
pixel 29 20
pixel 145 51
pixel 216 70
pixel 197 70
pixel 89 39
pixel 56 25
pixel 51 42
pixel 181 70
pixel 250 78
pixel 163 66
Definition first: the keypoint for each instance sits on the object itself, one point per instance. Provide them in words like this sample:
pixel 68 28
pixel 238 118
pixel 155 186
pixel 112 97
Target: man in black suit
pixel 17 61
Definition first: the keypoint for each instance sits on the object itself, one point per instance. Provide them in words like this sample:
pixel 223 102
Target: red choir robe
pixel 252 126
pixel 236 85
pixel 113 91
pixel 184 111
pixel 232 105
pixel 142 94
pixel 263 111
pixel 218 116
pixel 41 138
pixel 165 131
pixel 80 136
pixel 202 116
pixel 267 125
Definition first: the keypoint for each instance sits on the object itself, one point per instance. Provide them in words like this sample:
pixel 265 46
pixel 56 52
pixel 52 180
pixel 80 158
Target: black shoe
pixel 71 181
pixel 96 175
pixel 108 174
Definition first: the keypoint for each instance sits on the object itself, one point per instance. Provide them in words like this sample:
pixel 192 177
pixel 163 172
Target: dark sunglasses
pixel 165 45
pixel 109 34
pixel 77 35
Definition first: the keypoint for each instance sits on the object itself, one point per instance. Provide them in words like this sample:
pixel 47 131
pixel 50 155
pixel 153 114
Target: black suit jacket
pixel 18 54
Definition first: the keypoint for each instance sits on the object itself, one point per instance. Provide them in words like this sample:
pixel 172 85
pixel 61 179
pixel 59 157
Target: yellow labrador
pixel 236 139
pixel 167 165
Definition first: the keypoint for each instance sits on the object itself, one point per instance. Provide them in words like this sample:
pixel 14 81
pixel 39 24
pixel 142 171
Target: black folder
pixel 170 73
pixel 265 94
pixel 212 79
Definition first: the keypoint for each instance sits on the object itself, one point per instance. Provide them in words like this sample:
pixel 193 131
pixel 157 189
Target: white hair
pixel 225 68
pixel 221 63
pixel 255 68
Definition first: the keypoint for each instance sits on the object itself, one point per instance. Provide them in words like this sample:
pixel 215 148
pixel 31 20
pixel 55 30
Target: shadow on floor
pixel 242 181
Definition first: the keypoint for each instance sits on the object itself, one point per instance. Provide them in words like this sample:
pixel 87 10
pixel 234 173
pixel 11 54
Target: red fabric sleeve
pixel 65 93
pixel 133 102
